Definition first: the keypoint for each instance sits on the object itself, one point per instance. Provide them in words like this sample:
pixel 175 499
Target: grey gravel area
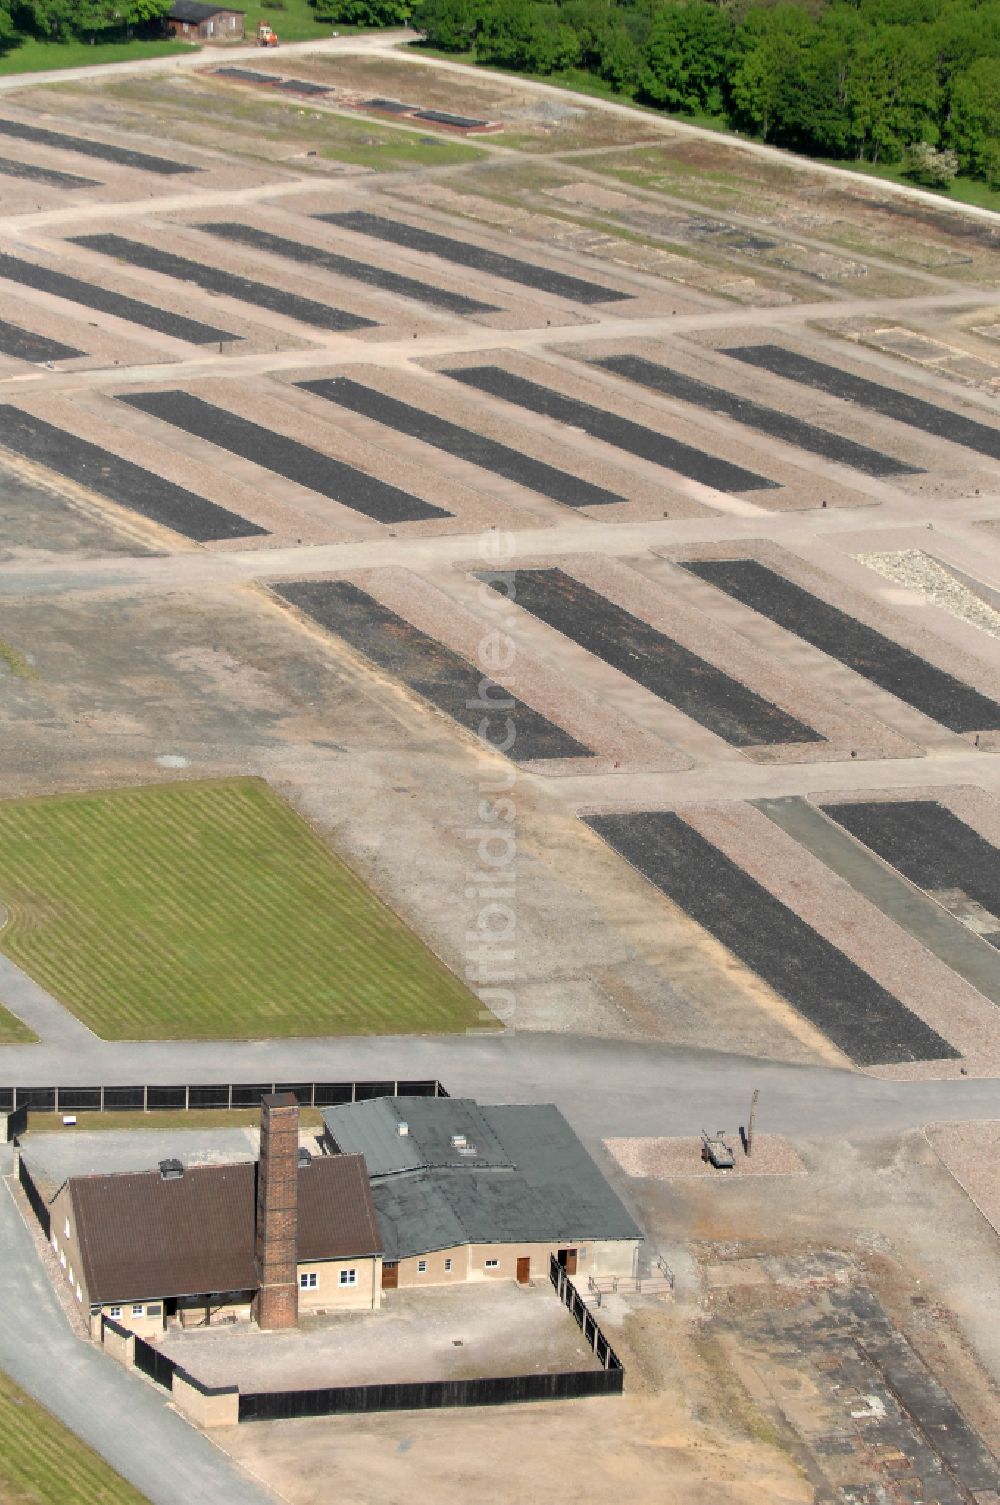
pixel 120 480
pixel 464 443
pixel 213 279
pixel 466 253
pixel 622 433
pixel 285 457
pixel 918 571
pixel 25 345
pixel 755 415
pixel 871 654
pixel 123 156
pixel 48 280
pixel 891 403
pixel 50 176
pixel 346 266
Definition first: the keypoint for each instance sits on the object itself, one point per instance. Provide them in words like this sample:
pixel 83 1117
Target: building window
pixel 72 1277
pixel 79 1291
pixel 421 1267
pixel 492 1264
pixel 308 1280
pixel 137 1309
pixel 348 1277
pixel 62 1259
pixel 114 1311
pixel 66 1228
pixel 447 1267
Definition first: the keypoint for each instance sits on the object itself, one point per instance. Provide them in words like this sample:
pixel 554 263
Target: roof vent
pixel 305 1158
pixel 171 1170
pixel 402 1129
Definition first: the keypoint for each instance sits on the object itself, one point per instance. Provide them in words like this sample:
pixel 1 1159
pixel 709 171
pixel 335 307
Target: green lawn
pixel 14 661
pixel 42 1463
pixel 293 20
pixel 35 56
pixel 962 190
pixel 209 911
pixel 196 1118
pixel 13 1032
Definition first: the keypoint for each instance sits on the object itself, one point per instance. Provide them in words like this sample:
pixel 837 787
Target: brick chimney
pixel 276 1303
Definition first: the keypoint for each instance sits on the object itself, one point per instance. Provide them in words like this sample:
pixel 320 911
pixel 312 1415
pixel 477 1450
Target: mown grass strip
pixel 13 1032
pixel 209 911
pixel 13 660
pixel 43 1463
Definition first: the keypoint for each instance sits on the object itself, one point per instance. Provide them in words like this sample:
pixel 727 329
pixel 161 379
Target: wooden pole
pixel 753 1110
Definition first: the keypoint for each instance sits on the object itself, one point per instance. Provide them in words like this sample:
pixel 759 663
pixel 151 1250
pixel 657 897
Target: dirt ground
pixel 443 1333
pixel 737 1388
pixel 129 652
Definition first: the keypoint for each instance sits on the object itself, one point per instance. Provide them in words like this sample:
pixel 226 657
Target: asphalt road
pixel 605 1087
pixel 156 1450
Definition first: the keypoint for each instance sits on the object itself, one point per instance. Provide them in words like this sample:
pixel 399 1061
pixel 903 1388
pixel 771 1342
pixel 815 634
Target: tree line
pixel 880 81
pixel 66 20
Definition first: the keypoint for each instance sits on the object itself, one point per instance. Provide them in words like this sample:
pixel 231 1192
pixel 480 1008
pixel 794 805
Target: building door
pixel 390 1275
pixel 567 1258
pixel 523 1269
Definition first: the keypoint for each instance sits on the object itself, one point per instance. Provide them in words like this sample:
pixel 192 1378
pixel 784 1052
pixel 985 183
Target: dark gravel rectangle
pixel 61 285
pixel 122 482
pixel 651 659
pixel 430 670
pixel 215 280
pixel 869 653
pixel 246 75
pixel 24 345
pixel 285 457
pixel 464 443
pixel 47 175
pixel 441 117
pixel 872 395
pixel 465 253
pixel 646 443
pixel 344 266
pixel 124 156
pixel 388 106
pixel 861 1017
pixel 928 844
pixel 302 86
pixel 754 415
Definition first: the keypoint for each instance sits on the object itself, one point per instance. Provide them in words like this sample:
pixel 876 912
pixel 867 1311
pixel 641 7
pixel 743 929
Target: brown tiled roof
pixel 142 1237
pixel 336 1212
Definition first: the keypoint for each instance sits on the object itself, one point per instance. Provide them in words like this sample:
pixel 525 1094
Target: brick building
pixel 193 21
pixel 466 1193
pixel 223 1242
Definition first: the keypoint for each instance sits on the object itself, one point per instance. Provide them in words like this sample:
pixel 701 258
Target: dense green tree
pixel 448 24
pixel 86 18
pixel 522 35
pixel 687 56
pixel 893 92
pixel 974 119
pixel 621 62
pixel 364 12
pixel 772 46
pixel 8 31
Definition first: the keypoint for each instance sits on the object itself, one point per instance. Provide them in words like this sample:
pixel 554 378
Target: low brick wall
pixel 118 1342
pixel 206 1405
